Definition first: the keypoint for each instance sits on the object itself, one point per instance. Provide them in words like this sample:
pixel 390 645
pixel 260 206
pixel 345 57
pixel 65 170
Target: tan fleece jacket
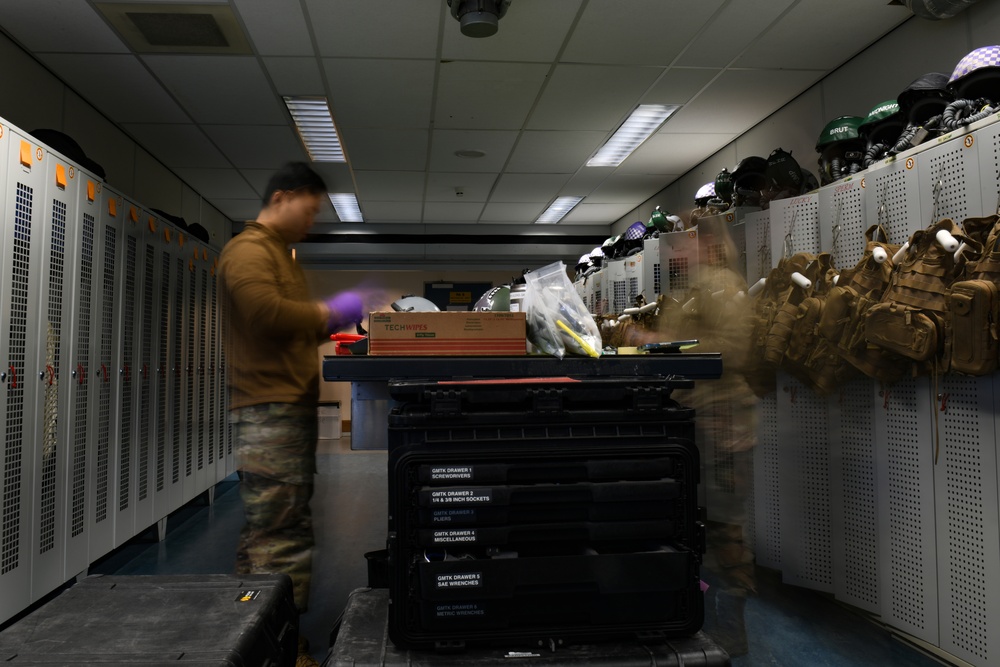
pixel 274 327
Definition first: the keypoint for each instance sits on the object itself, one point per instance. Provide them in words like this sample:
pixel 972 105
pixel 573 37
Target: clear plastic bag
pixel 558 321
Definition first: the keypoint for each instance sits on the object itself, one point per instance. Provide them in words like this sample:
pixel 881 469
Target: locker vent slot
pixel 145 387
pixel 177 363
pixel 189 374
pixel 968 553
pixel 223 380
pixel 47 509
pixel 162 373
pixel 899 221
pixel 104 379
pixel 769 444
pixel 599 302
pixel 907 529
pixel 678 275
pixel 203 311
pixel 949 168
pixel 656 282
pixel 128 363
pixel 716 254
pixel 213 378
pixel 619 297
pixel 18 328
pixel 809 412
pixel 82 384
pixel 860 511
pixel 849 241
pixel 633 291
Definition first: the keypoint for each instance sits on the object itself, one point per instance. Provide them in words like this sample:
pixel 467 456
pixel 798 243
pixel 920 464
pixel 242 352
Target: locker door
pixel 988 141
pixel 144 374
pixel 892 196
pixel 102 477
pixel 224 390
pixel 949 180
pixel 52 364
pixel 615 281
pixel 633 279
pixel 679 262
pixel 767 486
pixel 214 402
pixel 204 474
pixel 84 384
pixel 651 269
pixel 757 230
pixel 163 461
pixel 178 443
pixel 795 226
pixel 189 417
pixel 843 222
pixel 23 219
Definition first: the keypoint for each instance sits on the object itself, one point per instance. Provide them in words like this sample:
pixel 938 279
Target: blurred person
pixel 274 330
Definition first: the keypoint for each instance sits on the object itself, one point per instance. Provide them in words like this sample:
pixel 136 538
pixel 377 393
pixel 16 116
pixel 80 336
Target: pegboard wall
pixel 842 230
pixel 795 226
pixel 757 235
pixel 76 341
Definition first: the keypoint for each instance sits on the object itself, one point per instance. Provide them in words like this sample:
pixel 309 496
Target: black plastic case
pixel 222 620
pixel 360 641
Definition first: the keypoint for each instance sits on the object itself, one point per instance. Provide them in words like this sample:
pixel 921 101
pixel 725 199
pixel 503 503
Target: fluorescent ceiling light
pixel 558 209
pixel 314 123
pixel 646 119
pixel 347 207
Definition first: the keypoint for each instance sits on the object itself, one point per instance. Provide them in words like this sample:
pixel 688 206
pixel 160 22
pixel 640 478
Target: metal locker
pixel 189 410
pixel 54 332
pixel 988 141
pixel 757 230
pixel 102 476
pixel 205 445
pixel 216 411
pixel 83 385
pixel 177 380
pixel 600 305
pixel 892 197
pixel 767 486
pixel 128 312
pixel 162 461
pixel 23 221
pixel 843 223
pixel 651 287
pixel 855 496
pixel 615 283
pixel 633 279
pixel 804 486
pixel 949 180
pixel 968 535
pixel 795 226
pixel 679 263
pixel 224 389
pixel 904 446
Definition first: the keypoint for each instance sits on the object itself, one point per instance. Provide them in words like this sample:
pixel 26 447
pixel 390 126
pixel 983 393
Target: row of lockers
pixel 886 496
pixel 113 374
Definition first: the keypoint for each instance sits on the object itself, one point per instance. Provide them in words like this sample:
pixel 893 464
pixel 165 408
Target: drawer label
pixel 443 473
pixel 450 536
pixel 463 496
pixel 446 610
pixel 459 580
pixel 453 515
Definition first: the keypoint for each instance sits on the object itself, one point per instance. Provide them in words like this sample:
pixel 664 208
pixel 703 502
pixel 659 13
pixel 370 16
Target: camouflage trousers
pixel 276 452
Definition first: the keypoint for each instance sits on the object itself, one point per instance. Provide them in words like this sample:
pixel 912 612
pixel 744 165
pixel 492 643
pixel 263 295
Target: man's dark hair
pixel 294 176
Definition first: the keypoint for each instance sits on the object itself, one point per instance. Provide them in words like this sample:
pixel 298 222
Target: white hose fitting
pixel 946 240
pixel 879 254
pixel 901 253
pixel 801 280
pixel 961 248
pixel 757 287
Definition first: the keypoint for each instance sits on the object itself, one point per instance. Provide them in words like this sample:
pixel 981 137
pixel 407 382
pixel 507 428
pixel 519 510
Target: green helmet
pixel 842 128
pixel 495 299
pixel 724 188
pixel 881 115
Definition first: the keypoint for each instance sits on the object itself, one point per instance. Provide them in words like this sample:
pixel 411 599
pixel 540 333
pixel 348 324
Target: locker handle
pixel 13 377
pixel 52 374
pixel 104 372
pixel 81 373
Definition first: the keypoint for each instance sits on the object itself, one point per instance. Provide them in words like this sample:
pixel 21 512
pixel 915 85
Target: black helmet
pixel 783 171
pixel 724 186
pixel 925 98
pixel 749 180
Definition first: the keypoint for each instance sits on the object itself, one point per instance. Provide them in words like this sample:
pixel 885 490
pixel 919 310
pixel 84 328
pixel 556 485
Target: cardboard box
pixel 446 334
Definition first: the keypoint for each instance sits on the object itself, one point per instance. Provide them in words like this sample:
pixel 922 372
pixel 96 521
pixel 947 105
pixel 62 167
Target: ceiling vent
pixel 176 28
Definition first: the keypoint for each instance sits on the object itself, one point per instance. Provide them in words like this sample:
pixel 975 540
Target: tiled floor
pixel 778 625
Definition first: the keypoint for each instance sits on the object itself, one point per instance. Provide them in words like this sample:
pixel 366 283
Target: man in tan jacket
pixel 274 329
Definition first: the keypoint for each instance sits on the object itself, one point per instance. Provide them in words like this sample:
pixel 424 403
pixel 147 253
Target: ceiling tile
pixel 375 30
pixel 257 178
pixel 597 213
pixel 523 188
pixel 516 213
pixel 117 85
pixel 67 26
pixel 539 151
pixel 378 211
pixel 257 147
pixel 731 31
pixel 648 32
pixel 296 76
pixel 822 34
pixel 715 110
pixel 220 89
pixel 590 97
pixel 336 175
pixel 586 181
pixel 678 85
pixel 628 188
pixel 218 183
pixel 452 211
pixel 529 32
pixel 177 145
pixel 390 185
pixel 396 150
pixel 239 210
pixel 380 93
pixel 494 96
pixel 496 144
pixel 276 28
pixel 474 187
pixel 664 154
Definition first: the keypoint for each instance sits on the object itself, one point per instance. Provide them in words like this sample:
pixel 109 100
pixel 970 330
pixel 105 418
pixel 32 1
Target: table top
pixel 348 368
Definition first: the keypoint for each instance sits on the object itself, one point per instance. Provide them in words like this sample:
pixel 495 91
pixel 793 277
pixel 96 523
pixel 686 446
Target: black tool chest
pixel 545 512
